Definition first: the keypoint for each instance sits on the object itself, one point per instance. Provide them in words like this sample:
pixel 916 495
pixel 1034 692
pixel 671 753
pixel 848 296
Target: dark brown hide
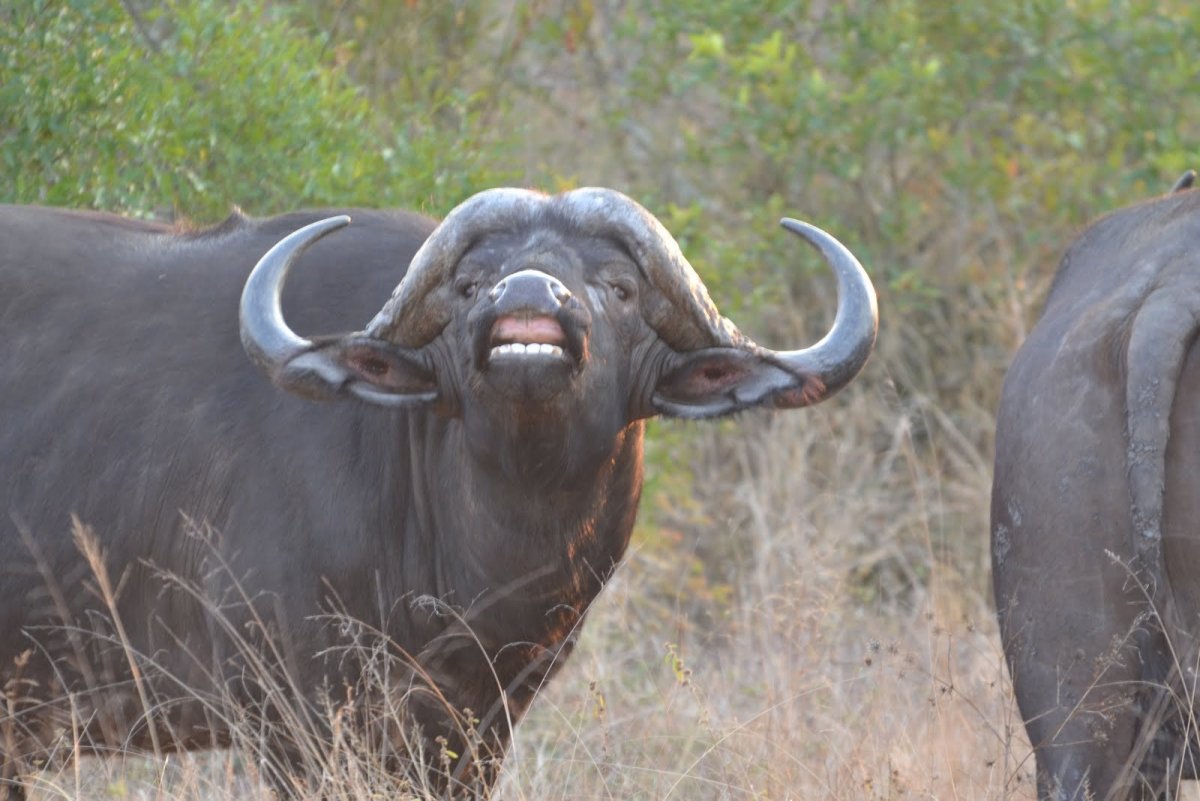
pixel 1095 547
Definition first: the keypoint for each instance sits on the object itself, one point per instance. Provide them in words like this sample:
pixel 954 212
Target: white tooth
pixel 527 349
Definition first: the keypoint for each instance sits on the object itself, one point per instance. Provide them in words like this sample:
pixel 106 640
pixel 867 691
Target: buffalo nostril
pixel 495 292
pixel 560 292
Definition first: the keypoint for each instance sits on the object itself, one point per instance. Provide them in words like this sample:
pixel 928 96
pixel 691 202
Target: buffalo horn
pixel 689 321
pixel 265 335
pixel 842 352
pixel 418 309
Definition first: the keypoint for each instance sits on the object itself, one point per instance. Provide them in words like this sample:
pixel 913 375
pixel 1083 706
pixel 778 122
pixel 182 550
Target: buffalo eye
pixel 466 287
pixel 621 291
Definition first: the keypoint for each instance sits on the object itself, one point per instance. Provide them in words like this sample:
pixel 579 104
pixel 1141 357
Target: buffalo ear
pixel 365 367
pixel 720 381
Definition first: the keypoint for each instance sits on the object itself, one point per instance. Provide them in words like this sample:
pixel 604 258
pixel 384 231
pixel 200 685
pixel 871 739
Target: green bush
pixel 889 121
pixel 195 105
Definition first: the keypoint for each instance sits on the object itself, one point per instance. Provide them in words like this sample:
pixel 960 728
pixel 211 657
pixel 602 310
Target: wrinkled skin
pixel 463 500
pixel 1095 547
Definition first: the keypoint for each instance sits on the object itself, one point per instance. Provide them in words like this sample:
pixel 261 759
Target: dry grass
pixel 855 656
pixel 824 714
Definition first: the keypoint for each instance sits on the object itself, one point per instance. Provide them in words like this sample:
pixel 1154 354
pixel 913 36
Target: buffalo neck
pixel 502 534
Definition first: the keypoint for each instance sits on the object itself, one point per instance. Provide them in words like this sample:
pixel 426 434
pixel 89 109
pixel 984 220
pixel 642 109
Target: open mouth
pixel 527 337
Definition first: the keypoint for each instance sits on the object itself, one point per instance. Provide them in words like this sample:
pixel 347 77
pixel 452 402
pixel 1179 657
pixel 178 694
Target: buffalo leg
pixel 1073 616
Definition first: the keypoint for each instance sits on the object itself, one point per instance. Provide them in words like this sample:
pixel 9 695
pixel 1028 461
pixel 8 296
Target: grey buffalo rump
pixel 466 491
pixel 1095 508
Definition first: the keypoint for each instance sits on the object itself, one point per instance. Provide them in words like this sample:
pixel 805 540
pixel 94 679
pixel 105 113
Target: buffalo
pixel 1095 503
pixel 169 514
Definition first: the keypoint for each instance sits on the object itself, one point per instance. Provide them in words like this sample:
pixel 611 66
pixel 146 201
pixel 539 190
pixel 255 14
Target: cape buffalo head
pixel 542 313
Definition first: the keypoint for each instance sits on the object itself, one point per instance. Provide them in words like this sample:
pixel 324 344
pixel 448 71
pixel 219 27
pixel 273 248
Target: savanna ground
pixel 806 610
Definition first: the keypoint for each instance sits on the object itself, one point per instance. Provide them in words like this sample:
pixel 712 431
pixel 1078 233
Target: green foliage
pixel 944 143
pixel 435 73
pixel 1040 112
pixel 196 105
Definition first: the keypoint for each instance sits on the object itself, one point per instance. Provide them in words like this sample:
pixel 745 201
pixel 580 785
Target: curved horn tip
pixel 842 353
pixel 800 227
pixel 265 335
pixel 333 223
pixel 820 239
pixel 315 230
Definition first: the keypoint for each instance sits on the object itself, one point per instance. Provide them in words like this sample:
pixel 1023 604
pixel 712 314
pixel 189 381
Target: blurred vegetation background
pixel 815 576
